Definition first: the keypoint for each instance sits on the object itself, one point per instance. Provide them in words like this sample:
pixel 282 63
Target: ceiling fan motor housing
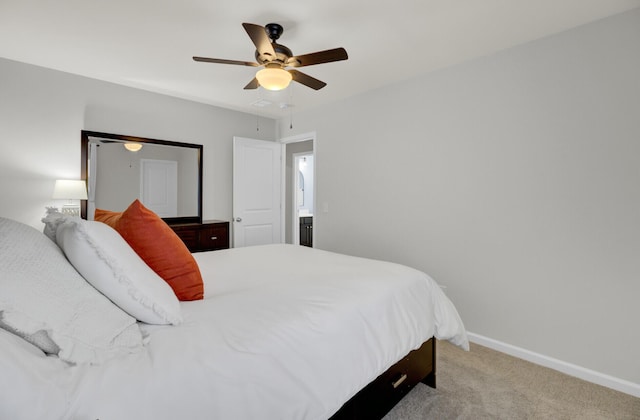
pixel 282 55
pixel 274 31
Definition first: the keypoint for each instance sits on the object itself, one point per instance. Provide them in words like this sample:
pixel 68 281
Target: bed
pixel 281 331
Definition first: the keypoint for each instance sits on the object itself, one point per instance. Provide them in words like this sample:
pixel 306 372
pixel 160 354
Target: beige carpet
pixel 486 384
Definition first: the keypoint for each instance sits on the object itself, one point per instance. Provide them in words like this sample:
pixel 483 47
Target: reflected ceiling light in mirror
pixel 133 147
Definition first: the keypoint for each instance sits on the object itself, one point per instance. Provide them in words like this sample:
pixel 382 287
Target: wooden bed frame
pixel 380 396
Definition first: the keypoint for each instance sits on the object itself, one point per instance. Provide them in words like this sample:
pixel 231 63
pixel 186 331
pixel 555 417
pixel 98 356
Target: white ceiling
pixel 148 44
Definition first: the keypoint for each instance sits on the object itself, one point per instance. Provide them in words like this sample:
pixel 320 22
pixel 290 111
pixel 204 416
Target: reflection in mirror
pixel 300 194
pixel 165 176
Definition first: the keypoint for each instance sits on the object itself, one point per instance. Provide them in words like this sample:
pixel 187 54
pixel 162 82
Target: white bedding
pixel 284 332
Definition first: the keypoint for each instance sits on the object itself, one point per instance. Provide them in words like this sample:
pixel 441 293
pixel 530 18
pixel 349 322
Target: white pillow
pixel 107 261
pixel 44 300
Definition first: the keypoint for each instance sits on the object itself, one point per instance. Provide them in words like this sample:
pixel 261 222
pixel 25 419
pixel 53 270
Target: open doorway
pixel 302 183
pixel 299 197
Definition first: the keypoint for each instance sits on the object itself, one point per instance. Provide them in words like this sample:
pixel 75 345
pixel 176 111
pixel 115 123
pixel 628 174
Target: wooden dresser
pixel 210 235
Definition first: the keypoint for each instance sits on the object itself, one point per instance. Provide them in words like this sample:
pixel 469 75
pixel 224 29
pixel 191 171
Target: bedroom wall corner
pixel 42 112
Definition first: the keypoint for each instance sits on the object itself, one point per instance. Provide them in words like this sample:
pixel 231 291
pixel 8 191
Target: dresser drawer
pixel 207 236
pixel 188 236
pixel 214 236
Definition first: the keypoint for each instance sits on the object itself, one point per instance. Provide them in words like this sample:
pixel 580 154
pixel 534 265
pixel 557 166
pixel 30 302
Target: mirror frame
pixel 84 165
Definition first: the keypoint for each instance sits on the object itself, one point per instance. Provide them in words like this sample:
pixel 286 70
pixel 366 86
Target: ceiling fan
pixel 276 58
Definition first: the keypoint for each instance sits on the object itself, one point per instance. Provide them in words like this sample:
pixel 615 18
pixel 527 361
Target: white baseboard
pixel 570 369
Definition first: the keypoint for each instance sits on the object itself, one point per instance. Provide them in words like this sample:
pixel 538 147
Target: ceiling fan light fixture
pixel 273 78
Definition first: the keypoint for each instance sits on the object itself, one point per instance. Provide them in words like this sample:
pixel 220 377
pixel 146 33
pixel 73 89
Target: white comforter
pixel 284 332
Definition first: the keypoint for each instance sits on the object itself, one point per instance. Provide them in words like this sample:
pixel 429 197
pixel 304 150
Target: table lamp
pixel 71 190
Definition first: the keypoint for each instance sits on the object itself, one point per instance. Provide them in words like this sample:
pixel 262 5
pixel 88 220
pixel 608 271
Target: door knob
pixel 238 219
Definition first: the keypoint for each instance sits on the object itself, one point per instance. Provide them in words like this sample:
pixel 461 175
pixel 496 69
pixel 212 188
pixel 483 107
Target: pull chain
pixel 291 118
pixel 258 112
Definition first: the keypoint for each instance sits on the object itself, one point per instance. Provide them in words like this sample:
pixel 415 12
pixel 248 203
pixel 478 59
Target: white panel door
pixel 159 186
pixel 257 187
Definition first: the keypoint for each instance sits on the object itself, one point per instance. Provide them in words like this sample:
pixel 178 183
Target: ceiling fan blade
pixel 260 39
pixel 222 61
pixel 307 80
pixel 327 56
pixel 254 84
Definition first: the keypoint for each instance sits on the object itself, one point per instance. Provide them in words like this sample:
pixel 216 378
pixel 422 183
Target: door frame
pixel 296 139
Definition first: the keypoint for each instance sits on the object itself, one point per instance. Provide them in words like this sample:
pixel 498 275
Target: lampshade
pixel 133 147
pixel 273 78
pixel 66 189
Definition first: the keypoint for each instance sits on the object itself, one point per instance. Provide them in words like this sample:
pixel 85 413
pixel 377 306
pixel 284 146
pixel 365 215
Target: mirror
pixel 166 176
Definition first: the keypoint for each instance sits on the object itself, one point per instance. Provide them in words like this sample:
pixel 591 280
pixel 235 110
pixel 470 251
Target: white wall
pixel 43 111
pixel 514 180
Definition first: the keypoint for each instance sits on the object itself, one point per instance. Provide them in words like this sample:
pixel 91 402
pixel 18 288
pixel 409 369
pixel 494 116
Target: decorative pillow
pixel 107 262
pixel 44 300
pixel 162 250
pixel 107 216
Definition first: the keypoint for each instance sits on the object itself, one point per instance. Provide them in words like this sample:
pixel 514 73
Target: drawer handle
pixel 400 380
pixel 213 238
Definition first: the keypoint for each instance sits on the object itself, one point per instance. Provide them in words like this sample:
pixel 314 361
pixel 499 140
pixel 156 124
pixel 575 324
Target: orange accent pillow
pixel 107 216
pixel 159 246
